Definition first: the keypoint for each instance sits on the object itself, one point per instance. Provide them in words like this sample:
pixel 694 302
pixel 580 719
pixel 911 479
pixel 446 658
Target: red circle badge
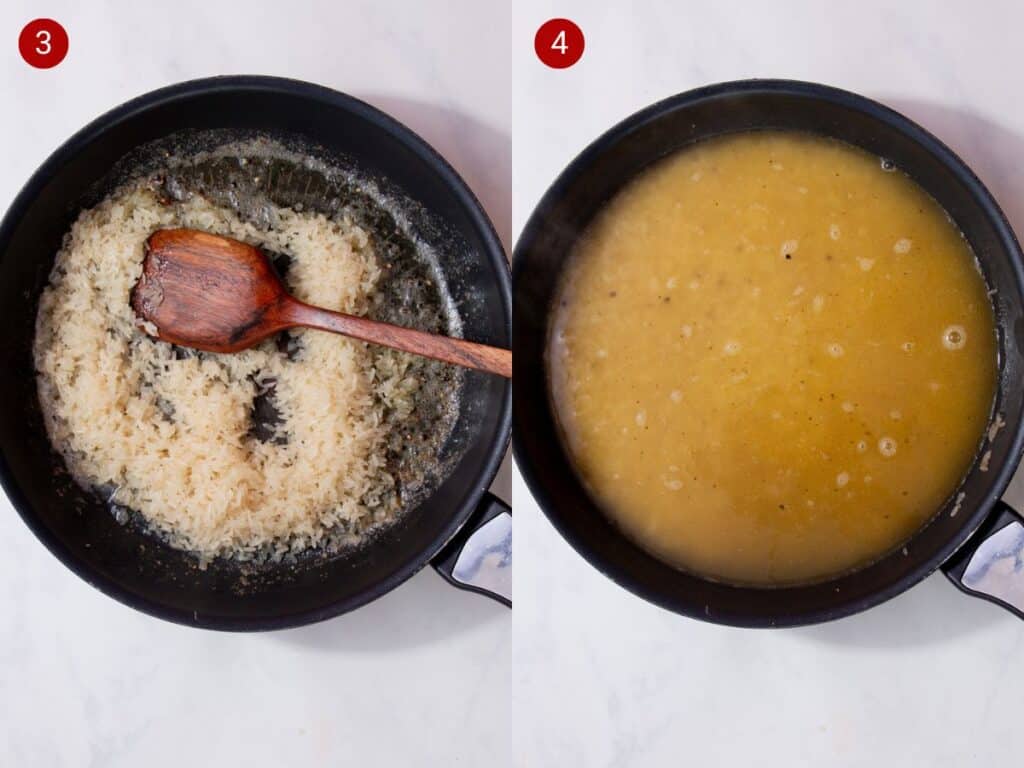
pixel 559 43
pixel 43 43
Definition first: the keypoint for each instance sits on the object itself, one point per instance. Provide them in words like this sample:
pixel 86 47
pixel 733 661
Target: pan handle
pixel 991 564
pixel 479 558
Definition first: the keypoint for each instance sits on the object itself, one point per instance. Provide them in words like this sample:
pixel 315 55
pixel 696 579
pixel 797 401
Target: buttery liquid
pixel 772 358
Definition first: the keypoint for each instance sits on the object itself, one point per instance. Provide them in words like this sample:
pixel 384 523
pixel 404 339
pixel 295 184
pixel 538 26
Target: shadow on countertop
pixel 935 611
pixel 480 153
pixel 930 613
pixel 424 611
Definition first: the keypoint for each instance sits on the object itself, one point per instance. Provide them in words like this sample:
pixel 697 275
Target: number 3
pixel 559 44
pixel 44 46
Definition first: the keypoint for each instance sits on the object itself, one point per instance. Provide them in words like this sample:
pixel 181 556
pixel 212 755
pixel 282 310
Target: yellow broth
pixel 772 358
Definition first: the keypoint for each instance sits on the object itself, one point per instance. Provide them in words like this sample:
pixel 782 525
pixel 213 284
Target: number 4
pixel 560 44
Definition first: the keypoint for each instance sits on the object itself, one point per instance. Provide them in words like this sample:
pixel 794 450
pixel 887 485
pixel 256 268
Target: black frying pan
pixel 125 562
pixel 991 564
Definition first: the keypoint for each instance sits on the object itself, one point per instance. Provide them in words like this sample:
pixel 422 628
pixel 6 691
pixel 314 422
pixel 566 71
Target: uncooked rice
pixel 168 433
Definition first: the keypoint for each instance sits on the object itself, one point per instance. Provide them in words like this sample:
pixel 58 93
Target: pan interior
pixel 254 179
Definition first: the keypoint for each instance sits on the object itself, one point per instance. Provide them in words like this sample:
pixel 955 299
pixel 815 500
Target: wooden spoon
pixel 220 295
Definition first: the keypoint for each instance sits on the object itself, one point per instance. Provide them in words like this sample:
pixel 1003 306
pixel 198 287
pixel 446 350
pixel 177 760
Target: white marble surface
pixel 930 679
pixel 413 679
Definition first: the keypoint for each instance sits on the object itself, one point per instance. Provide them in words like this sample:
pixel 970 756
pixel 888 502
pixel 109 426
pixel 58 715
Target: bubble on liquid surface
pixel 835 349
pixel 675 396
pixel 902 245
pixel 887 165
pixel 818 303
pixel 954 337
pixel 732 348
pixel 834 232
pixel 640 418
pixel 887 447
pixel 842 479
pixel 847 407
pixel 788 248
pixel 862 446
pixel 865 263
pixel 907 346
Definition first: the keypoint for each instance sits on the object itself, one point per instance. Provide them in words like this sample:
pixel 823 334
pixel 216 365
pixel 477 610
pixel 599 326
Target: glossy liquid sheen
pixel 772 358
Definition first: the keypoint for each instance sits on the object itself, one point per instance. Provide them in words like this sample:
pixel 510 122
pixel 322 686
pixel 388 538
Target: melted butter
pixel 772 360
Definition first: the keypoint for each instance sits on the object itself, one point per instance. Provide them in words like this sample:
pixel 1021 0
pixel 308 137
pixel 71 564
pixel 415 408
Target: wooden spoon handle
pixel 456 351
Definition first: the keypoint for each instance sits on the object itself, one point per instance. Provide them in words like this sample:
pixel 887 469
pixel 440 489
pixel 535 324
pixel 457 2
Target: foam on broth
pixel 771 359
